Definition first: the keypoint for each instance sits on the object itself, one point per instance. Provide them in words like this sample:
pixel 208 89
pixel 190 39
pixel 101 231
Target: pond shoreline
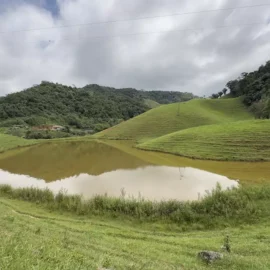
pixel 231 207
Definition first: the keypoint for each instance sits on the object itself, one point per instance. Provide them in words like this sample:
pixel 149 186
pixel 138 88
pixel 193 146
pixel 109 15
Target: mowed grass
pixel 34 238
pixel 178 116
pixel 242 140
pixel 8 142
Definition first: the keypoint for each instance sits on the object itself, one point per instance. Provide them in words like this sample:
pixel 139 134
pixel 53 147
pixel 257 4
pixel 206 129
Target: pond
pixel 152 182
pixel 116 168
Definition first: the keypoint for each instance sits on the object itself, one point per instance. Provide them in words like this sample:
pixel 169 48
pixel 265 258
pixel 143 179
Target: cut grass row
pixel 178 116
pixel 34 238
pixel 242 141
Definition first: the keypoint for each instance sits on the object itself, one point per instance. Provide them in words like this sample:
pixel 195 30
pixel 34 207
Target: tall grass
pixel 234 206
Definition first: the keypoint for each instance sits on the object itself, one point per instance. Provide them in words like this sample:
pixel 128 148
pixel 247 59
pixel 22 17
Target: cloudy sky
pixel 64 41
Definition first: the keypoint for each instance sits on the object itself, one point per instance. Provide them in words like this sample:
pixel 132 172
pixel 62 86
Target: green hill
pixel 92 107
pixel 174 117
pixel 243 140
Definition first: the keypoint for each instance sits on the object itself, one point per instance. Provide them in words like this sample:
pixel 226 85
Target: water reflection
pixel 151 182
pixel 59 160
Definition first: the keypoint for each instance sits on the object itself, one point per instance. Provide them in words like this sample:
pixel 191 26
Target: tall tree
pixel 224 91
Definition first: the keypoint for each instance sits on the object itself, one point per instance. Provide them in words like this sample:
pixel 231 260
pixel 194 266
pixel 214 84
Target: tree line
pixel 254 87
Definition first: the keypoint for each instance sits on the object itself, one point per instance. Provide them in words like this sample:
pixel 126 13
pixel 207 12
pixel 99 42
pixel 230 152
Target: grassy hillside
pixel 36 237
pixel 174 117
pixel 242 140
pixel 8 142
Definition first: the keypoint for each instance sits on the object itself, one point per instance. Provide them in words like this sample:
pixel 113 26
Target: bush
pixel 101 126
pixel 12 122
pixel 261 109
pixel 45 134
pixel 35 120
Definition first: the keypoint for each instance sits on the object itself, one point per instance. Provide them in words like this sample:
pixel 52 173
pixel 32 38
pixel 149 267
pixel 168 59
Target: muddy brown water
pixel 116 169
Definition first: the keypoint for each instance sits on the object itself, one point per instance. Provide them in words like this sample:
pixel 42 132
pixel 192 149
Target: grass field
pixel 8 142
pixel 33 237
pixel 242 140
pixel 178 116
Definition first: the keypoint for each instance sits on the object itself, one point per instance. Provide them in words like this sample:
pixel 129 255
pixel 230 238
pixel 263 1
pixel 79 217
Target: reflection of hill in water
pixel 57 160
pixel 63 159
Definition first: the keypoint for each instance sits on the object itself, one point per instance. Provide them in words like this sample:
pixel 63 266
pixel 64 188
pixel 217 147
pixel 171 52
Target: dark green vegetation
pixel 243 140
pixel 174 117
pixel 255 87
pixel 92 107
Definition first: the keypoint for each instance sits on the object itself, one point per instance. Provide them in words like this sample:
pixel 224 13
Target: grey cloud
pixel 199 61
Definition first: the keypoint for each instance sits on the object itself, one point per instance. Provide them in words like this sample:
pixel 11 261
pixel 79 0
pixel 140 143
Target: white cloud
pixel 199 61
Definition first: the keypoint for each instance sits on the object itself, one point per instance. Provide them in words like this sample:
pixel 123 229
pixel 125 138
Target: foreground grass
pixel 8 142
pixel 174 117
pixel 35 238
pixel 231 207
pixel 242 140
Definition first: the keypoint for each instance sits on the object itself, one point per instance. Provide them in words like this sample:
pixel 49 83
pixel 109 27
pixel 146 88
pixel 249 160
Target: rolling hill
pixel 242 140
pixel 92 107
pixel 178 116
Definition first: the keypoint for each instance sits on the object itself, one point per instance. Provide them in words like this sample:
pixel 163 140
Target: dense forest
pixel 255 87
pixel 92 107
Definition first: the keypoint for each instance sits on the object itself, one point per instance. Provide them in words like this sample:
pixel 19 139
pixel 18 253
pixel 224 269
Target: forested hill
pixel 93 106
pixel 255 87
